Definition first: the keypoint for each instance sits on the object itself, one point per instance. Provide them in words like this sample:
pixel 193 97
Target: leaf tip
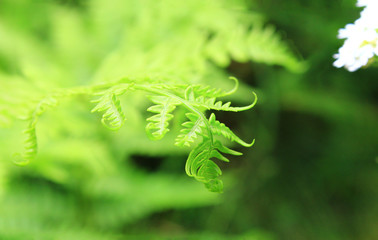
pixel 19 160
pixel 236 86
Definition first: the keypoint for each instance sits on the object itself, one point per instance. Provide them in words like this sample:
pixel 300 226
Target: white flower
pixel 366 3
pixel 362 3
pixel 361 42
pixel 369 16
pixel 353 57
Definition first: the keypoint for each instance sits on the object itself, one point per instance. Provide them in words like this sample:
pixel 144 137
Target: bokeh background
pixel 312 173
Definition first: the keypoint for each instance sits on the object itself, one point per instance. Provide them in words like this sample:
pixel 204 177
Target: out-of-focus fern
pixel 260 44
pixel 50 101
pixel 30 143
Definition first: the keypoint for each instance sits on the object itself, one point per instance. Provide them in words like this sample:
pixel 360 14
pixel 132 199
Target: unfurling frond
pixel 211 103
pixel 158 123
pixel 191 130
pixel 207 91
pixel 201 166
pixel 30 142
pixel 30 146
pixel 113 117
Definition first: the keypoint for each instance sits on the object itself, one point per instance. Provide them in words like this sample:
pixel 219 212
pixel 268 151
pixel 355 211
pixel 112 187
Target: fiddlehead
pixel 113 117
pixel 30 142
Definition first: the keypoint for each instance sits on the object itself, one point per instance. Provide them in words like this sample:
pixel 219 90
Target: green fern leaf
pixel 212 104
pixel 221 129
pixel 158 123
pixel 30 142
pixel 113 117
pixel 260 44
pixel 30 146
pixel 191 130
pixel 266 46
pixel 200 166
pixel 206 91
pixel 209 170
pixel 218 145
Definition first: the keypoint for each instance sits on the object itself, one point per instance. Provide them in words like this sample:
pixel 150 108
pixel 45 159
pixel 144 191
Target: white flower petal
pixel 361 38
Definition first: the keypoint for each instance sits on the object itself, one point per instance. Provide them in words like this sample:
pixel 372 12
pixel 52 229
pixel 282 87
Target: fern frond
pixel 221 129
pixel 206 91
pixel 200 166
pixel 211 103
pixel 113 117
pixel 266 46
pixel 260 44
pixel 30 142
pixel 191 130
pixel 158 123
pixel 30 147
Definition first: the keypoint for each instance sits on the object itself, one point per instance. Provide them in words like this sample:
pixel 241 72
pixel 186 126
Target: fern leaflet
pixel 113 117
pixel 158 123
pixel 200 166
pixel 30 142
pixel 206 91
pixel 191 130
pixel 211 103
pixel 221 129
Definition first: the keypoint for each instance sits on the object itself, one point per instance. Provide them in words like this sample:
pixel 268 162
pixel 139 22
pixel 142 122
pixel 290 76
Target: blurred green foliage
pixel 312 173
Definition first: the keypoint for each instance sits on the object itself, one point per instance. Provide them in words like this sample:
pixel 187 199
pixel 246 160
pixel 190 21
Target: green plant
pixel 141 64
pixel 59 59
pixel 194 98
